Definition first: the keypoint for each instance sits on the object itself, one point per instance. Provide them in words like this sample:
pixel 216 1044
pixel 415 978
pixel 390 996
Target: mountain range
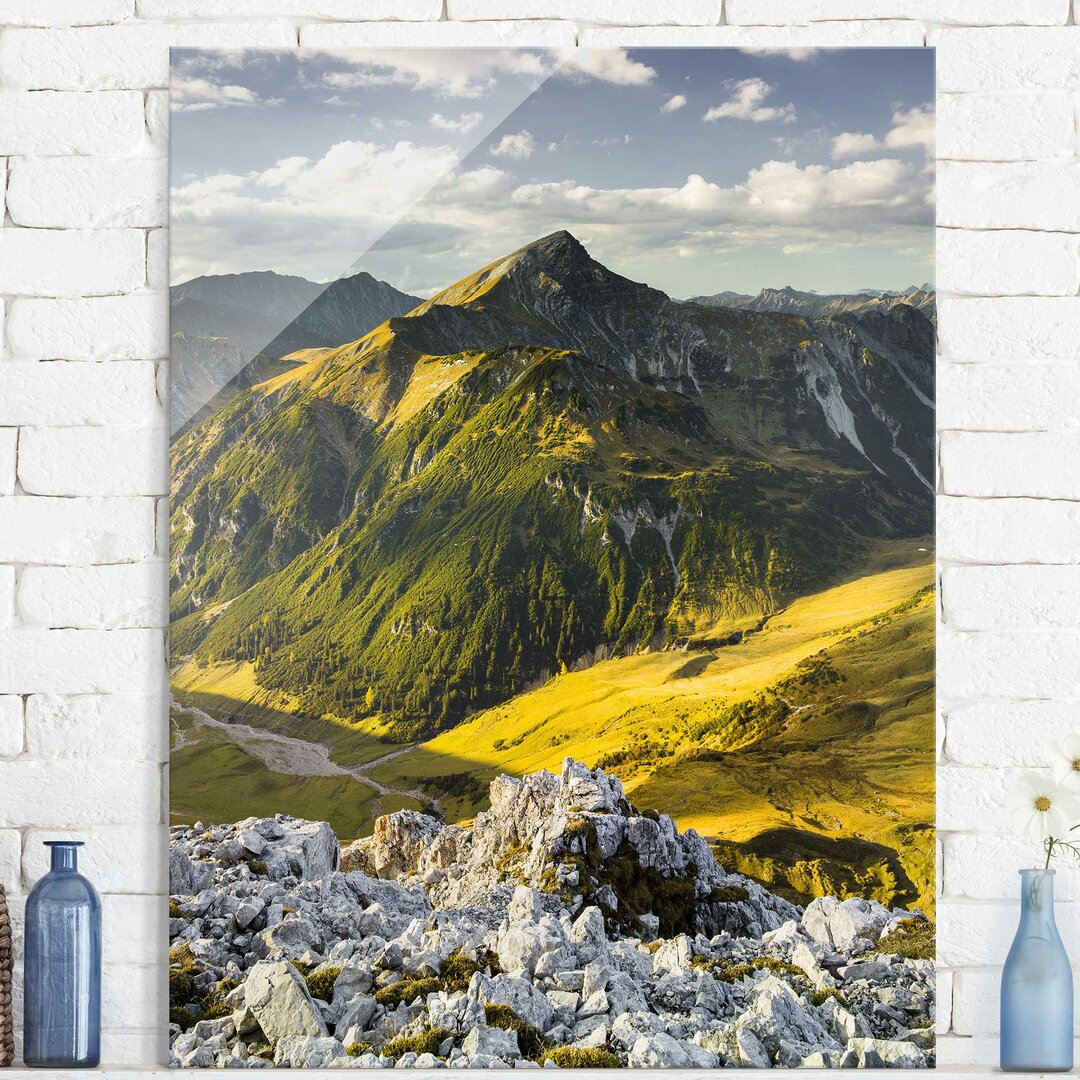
pixel 541 466
pixel 814 305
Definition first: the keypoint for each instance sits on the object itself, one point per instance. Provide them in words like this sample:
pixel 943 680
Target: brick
pixel 962 1053
pixel 9 442
pixel 985 397
pixel 822 35
pixel 943 1001
pixel 12 733
pixel 162 528
pixel 1041 464
pixel 77 794
pixel 984 733
pixel 978 934
pixel 47 262
pixel 121 1047
pixel 157 118
pixel 90 328
pixel 94 597
pixel 1007 58
pixel 130 55
pixel 972 799
pixel 88 193
pixel 134 996
pixel 63 123
pixel 64 12
pixel 81 662
pixel 985 866
pixel 97 726
pixel 967 12
pixel 1007 262
pixel 1004 127
pixel 1004 597
pixel 93 461
pixel 10 849
pixel 541 33
pixel 1008 195
pixel 7 610
pixel 617 12
pixel 134 929
pixel 1008 665
pixel 79 530
pixel 78 393
pixel 1008 530
pixel 1010 329
pixel 127 858
pixel 157 262
pixel 345 10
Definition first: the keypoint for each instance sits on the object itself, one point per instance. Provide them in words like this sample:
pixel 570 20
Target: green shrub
pixel 183 967
pixel 726 971
pixel 913 939
pixel 320 984
pixel 177 912
pixel 357 1049
pixel 257 866
pixel 819 997
pixel 458 969
pixel 581 1057
pixel 427 1042
pixel 530 1041
pixel 728 894
pixel 408 990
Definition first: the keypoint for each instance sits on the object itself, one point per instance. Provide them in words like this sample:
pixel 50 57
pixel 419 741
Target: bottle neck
pixel 1037 897
pixel 65 858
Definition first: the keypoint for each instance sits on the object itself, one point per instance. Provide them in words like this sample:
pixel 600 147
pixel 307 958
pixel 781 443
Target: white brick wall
pixel 83 137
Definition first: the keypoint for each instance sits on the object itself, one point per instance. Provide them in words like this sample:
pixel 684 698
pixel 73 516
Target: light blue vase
pixel 62 1015
pixel 1036 986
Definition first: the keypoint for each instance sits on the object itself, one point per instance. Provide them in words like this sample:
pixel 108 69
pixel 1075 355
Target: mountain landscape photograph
pixel 551 558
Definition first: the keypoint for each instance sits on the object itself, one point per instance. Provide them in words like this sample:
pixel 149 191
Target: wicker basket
pixel 7 1013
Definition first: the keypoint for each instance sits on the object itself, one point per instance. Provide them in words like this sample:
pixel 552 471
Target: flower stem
pixel 1049 852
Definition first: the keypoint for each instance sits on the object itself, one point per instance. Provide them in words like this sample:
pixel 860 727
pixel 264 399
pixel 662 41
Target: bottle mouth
pixel 64 843
pixel 1038 870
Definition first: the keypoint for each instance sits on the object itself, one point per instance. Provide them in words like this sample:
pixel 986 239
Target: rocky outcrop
pixel 563 922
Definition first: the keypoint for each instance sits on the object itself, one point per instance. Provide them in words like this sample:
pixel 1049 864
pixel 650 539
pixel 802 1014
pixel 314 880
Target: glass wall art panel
pixel 551 558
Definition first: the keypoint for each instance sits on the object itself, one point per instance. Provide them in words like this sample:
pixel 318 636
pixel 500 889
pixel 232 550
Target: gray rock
pixel 307 1052
pixel 279 1000
pixel 661 1051
pixel 492 1042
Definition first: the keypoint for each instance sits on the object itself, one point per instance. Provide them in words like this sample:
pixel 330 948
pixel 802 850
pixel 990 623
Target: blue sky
pixel 695 170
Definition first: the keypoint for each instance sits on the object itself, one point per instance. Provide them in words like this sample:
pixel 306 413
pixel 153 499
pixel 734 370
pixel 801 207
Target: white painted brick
pixel 343 10
pixel 967 12
pixel 10 845
pixel 12 736
pixel 1005 127
pixel 815 36
pixel 1008 530
pixel 1012 329
pixel 76 530
pixel 9 438
pixel 48 262
pixel 95 726
pixel 985 732
pixel 1008 262
pixel 78 794
pixel 985 397
pixel 539 33
pixel 157 118
pixel 93 461
pixel 1012 463
pixel 943 1001
pixel 617 12
pixel 121 1047
pixel 162 528
pixel 7 611
pixel 978 934
pixel 90 328
pixel 964 1052
pixel 986 866
pixel 1008 195
pixel 58 392
pixel 87 193
pixel 128 858
pixel 63 123
pixel 134 54
pixel 1008 665
pixel 134 929
pixel 81 662
pixel 970 799
pixel 94 597
pixel 1003 597
pixel 133 996
pixel 157 264
pixel 1007 58
pixel 975 1002
pixel 64 12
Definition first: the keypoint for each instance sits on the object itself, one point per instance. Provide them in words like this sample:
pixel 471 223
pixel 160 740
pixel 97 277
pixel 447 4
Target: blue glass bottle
pixel 1036 986
pixel 62 972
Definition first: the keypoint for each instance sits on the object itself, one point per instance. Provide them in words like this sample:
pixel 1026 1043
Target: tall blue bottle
pixel 1036 986
pixel 62 1015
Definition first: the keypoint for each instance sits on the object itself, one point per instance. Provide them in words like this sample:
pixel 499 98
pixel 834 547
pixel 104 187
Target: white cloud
pixel 673 103
pixel 606 65
pixel 465 123
pixel 914 128
pixel 852 143
pixel 797 53
pixel 747 104
pixel 519 146
pixel 195 94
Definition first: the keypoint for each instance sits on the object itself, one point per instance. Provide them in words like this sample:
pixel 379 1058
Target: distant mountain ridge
pixel 544 463
pixel 813 305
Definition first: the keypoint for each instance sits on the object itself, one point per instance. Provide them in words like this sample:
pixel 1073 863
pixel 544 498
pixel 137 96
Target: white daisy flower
pixel 1040 809
pixel 1065 760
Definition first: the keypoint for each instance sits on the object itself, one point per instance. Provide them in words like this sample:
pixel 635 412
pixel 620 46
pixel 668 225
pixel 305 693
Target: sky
pixel 694 170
